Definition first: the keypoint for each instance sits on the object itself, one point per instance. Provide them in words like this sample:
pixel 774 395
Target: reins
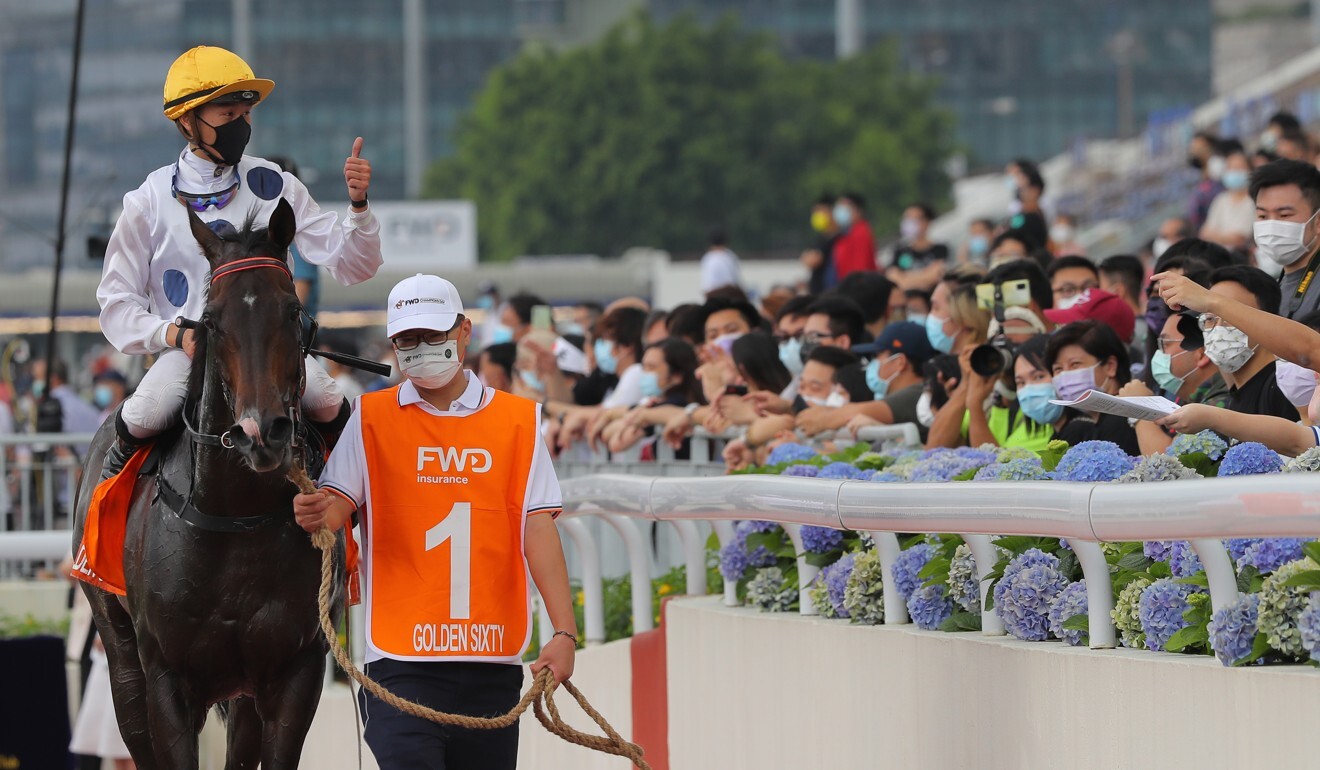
pixel 539 697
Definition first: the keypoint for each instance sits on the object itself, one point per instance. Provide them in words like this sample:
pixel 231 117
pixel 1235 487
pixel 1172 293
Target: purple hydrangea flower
pixel 929 607
pixel 1161 611
pixel 1157 550
pixel 734 557
pixel 803 471
pixel 835 578
pixel 840 471
pixel 1094 461
pixel 885 477
pixel 1249 458
pixel 1070 602
pixel 752 525
pixel 945 465
pixel 907 566
pixel 1015 469
pixel 1237 548
pixel 790 451
pixel 1183 559
pixel 734 560
pixel 821 539
pixel 1268 554
pixel 1233 629
pixel 1308 625
pixel 1024 594
pixel 978 455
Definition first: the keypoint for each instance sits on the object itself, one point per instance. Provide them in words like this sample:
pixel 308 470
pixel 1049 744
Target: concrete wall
pixel 754 690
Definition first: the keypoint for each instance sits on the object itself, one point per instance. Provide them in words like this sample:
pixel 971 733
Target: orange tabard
pixel 446 574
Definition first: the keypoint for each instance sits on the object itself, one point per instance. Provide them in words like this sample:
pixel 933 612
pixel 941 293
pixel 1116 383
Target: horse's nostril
pixel 239 437
pixel 279 432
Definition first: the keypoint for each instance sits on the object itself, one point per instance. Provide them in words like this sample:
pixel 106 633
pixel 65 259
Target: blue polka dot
pixel 265 183
pixel 176 288
pixel 222 228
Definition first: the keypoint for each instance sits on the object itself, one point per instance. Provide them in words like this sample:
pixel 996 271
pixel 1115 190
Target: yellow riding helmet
pixel 206 73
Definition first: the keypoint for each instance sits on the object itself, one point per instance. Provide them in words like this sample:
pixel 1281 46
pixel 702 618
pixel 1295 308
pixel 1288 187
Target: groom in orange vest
pixel 459 497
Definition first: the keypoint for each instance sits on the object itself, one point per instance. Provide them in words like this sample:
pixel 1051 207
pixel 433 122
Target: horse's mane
pixel 249 241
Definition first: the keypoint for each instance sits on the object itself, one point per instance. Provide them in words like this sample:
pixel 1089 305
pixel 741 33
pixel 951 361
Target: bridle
pixel 307 338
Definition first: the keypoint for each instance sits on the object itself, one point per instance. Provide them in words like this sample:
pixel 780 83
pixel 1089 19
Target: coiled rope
pixel 539 696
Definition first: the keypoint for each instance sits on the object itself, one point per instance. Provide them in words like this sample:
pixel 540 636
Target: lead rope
pixel 539 696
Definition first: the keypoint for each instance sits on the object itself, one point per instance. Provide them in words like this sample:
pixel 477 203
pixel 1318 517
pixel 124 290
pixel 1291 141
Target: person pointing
pixel 154 271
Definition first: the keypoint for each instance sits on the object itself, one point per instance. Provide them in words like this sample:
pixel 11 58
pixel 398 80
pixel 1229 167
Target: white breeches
pixel 156 403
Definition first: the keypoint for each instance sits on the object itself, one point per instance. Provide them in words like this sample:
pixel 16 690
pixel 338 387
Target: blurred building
pixel 1022 77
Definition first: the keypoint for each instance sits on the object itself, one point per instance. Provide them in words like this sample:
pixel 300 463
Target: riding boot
pixel 123 448
pixel 329 431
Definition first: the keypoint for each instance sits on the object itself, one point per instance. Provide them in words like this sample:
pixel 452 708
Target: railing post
pixel 694 555
pixel 593 594
pixel 1099 593
pixel 639 562
pixel 886 545
pixel 1218 571
pixel 983 551
pixel 806 572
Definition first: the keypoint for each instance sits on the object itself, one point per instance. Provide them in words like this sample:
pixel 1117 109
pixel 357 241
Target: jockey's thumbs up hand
pixel 357 174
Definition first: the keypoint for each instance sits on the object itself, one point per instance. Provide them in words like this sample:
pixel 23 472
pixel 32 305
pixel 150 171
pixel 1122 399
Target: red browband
pixel 249 263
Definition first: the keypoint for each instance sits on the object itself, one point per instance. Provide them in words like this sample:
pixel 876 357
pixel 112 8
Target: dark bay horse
pixel 222 608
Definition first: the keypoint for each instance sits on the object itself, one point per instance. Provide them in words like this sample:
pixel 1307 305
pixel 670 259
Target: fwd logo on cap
pixel 452 458
pixel 419 301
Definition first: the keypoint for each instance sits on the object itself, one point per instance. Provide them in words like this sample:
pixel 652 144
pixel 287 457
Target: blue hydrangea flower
pixel 804 471
pixel 1094 461
pixel 1237 548
pixel 1158 467
pixel 945 465
pixel 929 607
pixel 1157 550
pixel 835 577
pixel 840 471
pixel 885 477
pixel 907 566
pixel 734 560
pixel 1206 442
pixel 1268 554
pixel 978 455
pixel 790 451
pixel 1071 601
pixel 1024 594
pixel 1233 629
pixel 1308 625
pixel 1014 469
pixel 821 539
pixel 761 557
pixel 1161 611
pixel 1249 458
pixel 1183 559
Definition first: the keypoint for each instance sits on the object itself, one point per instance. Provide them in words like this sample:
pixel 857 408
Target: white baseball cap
pixel 423 302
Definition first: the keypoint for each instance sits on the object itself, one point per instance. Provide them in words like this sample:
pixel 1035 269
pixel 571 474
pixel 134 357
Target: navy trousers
pixel 403 742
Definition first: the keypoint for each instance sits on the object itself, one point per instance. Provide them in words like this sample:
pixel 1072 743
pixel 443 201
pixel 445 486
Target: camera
pixel 994 357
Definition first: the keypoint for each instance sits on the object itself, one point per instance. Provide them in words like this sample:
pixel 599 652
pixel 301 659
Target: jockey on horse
pixel 155 272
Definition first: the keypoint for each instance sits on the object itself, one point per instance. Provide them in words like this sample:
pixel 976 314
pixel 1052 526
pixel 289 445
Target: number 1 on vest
pixel 457 529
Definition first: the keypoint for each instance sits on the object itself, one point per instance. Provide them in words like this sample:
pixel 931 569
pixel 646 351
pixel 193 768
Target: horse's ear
pixel 206 237
pixel 282 226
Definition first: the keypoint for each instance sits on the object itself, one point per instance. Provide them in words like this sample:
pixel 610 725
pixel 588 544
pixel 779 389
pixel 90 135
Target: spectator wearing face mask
pixel 496 366
pixel 894 377
pixel 1063 236
pixel 1029 420
pixel 1232 212
pixel 1287 231
pixel 1010 246
pixel 108 391
pixel 956 323
pixel 1070 278
pixel 975 250
pixel 1098 305
pixel 1203 155
pixel 1171 231
pixel 916 261
pixel 1028 187
pixel 817 389
pixel 1241 334
pixel 1183 373
pixel 855 248
pixel 917 306
pixel 1085 356
pixel 669 382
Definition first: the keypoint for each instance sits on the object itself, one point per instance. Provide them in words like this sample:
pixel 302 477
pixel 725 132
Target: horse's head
pixel 253 330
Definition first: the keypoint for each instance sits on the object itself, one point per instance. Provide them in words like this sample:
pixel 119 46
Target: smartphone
pixel 1015 294
pixel 541 318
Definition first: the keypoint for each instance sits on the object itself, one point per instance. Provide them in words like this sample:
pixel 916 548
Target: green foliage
pixel 1195 637
pixel 1201 463
pixel 12 627
pixel 961 620
pixel 656 132
pixel 1052 454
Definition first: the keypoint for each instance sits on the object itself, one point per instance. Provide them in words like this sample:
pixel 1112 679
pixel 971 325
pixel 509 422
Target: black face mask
pixel 230 140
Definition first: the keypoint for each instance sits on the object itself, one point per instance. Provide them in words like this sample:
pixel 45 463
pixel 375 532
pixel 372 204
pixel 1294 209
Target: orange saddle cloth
pixel 100 558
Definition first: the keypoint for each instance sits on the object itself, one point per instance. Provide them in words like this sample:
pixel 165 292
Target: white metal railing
pixel 39 474
pixel 1202 511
